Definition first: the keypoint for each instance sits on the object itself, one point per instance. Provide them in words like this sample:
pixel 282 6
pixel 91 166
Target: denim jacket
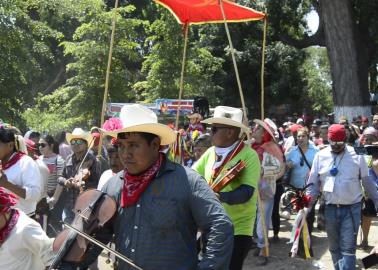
pixel 159 231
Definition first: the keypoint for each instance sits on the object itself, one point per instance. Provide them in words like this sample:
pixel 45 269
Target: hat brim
pixel 227 122
pixel 264 125
pixel 87 138
pixel 166 134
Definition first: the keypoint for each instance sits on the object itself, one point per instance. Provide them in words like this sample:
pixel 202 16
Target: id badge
pixel 329 184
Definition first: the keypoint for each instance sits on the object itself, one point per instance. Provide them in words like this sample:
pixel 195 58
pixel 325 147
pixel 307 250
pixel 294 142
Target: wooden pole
pixel 104 101
pixel 263 70
pixel 186 30
pixel 234 64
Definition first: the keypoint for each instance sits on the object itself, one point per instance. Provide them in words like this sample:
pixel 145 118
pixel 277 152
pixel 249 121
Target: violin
pixel 93 210
pixel 82 175
pixel 231 173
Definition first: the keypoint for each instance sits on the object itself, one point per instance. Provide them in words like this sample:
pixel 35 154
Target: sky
pixel 313 21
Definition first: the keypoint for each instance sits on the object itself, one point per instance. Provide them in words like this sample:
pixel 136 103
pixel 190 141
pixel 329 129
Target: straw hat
pixel 268 125
pixel 228 116
pixel 79 133
pixel 138 118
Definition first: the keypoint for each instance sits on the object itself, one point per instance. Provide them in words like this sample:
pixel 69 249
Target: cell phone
pixel 370 260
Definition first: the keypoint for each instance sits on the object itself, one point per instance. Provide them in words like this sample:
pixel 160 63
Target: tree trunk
pixel 348 56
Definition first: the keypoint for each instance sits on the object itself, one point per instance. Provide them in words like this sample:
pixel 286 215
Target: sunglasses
pixel 77 142
pixel 336 143
pixel 42 145
pixel 216 129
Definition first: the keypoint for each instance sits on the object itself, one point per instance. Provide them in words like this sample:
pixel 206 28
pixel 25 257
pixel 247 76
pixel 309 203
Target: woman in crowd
pixel 49 149
pixel 272 163
pixel 299 161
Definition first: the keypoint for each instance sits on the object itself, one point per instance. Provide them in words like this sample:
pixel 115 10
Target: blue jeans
pixel 268 209
pixel 342 227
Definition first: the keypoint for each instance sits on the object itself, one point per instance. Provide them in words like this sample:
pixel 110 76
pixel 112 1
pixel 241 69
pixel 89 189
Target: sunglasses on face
pixel 42 145
pixel 216 129
pixel 77 142
pixel 336 143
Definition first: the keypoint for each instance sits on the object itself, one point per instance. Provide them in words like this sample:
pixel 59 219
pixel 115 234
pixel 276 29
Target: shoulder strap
pixel 304 157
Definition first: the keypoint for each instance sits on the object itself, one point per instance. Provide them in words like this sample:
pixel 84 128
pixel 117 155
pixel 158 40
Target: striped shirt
pixel 55 164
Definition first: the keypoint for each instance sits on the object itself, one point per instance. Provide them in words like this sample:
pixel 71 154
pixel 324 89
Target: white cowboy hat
pixel 138 118
pixel 268 125
pixel 228 116
pixel 79 133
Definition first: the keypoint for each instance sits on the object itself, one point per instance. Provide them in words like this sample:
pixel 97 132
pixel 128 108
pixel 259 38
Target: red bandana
pixel 336 133
pixel 134 185
pixel 7 200
pixel 4 232
pixel 13 160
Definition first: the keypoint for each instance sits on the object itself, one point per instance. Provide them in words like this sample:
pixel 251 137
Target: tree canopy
pixel 54 55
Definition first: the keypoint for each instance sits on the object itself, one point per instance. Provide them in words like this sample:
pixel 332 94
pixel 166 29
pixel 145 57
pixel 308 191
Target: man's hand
pixel 69 183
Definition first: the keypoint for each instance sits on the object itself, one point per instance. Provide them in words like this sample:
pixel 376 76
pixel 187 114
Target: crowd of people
pixel 198 198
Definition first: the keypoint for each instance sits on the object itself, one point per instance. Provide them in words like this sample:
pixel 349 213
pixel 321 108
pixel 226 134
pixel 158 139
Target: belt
pixel 341 205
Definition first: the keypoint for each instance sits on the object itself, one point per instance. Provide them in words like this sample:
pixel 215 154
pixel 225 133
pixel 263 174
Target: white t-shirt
pixel 25 173
pixel 27 247
pixel 105 176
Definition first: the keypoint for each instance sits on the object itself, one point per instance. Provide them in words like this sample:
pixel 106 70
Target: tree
pixel 348 29
pixel 78 102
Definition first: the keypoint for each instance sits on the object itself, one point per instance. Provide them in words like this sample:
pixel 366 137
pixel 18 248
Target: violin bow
pixel 98 243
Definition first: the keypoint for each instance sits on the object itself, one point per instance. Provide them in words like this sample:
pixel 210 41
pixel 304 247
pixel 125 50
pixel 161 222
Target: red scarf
pixel 4 232
pixel 13 160
pixel 135 185
pixel 7 200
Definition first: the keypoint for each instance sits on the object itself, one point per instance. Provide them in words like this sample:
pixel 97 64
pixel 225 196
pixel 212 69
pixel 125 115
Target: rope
pixel 186 28
pixel 263 68
pixel 108 72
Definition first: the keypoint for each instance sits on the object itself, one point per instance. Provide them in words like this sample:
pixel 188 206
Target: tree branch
pixel 316 39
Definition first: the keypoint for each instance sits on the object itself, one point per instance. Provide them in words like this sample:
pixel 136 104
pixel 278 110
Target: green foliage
pixel 54 59
pixel 163 64
pixel 79 100
pixel 319 84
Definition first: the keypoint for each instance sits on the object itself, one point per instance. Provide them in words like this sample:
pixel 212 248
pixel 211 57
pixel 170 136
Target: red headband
pixel 7 200
pixel 336 133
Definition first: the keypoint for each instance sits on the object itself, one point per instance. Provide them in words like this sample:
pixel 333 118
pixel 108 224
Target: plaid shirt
pixel 159 231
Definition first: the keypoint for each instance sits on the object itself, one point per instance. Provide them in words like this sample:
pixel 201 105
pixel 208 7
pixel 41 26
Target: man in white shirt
pixel 23 243
pixel 338 172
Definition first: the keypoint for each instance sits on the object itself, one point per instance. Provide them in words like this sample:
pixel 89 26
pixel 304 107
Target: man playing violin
pixel 23 243
pixel 162 205
pixel 239 195
pixel 80 172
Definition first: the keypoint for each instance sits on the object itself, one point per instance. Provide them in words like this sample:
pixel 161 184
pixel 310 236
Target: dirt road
pixel 279 259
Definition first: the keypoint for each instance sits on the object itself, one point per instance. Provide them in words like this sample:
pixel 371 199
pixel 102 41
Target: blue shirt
pixel 300 171
pixel 159 231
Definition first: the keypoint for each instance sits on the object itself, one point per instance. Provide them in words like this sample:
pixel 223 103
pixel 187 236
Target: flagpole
pixel 263 69
pixel 234 64
pixel 186 30
pixel 108 72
